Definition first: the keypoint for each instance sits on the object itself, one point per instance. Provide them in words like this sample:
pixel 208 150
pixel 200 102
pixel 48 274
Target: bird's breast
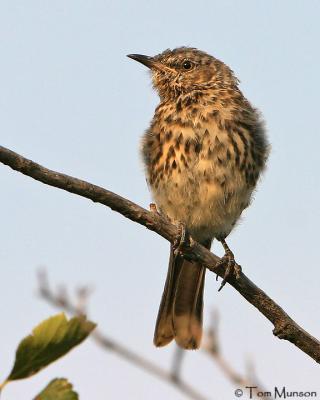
pixel 200 174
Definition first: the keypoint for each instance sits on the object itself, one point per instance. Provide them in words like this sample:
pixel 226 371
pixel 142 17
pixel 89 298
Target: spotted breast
pixel 203 160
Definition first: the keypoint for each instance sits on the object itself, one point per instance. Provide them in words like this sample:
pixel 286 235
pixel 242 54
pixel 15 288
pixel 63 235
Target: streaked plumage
pixel 204 152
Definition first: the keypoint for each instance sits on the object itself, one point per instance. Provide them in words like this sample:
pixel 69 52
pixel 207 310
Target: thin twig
pixel 62 301
pixel 212 348
pixel 284 326
pixel 211 344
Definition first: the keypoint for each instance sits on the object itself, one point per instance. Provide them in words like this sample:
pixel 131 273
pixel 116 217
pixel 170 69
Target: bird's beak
pixel 145 60
pixel 151 63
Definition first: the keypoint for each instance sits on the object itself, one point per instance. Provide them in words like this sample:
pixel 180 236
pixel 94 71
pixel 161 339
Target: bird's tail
pixel 180 312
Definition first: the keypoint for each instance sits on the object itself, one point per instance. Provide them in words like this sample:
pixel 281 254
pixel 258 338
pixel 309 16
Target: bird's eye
pixel 187 65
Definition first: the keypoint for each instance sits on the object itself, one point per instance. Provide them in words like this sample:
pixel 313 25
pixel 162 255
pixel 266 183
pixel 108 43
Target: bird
pixel 204 152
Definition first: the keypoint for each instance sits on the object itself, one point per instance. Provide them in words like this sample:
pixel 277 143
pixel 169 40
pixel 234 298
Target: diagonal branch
pixel 61 299
pixel 212 348
pixel 107 343
pixel 284 326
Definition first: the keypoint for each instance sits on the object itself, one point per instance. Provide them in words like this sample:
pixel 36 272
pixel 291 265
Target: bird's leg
pixel 182 239
pixel 232 268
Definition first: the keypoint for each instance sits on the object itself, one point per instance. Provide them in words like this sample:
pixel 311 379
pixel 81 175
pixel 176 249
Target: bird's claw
pixel 182 239
pixel 231 268
pixel 153 208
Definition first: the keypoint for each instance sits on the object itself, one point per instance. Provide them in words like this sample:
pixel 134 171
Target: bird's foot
pixel 182 239
pixel 229 262
pixel 153 208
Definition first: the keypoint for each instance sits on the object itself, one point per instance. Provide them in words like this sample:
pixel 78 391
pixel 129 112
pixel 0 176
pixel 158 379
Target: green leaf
pixel 58 389
pixel 51 339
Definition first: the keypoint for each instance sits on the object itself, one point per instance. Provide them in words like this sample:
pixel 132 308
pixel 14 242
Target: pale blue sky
pixel 70 99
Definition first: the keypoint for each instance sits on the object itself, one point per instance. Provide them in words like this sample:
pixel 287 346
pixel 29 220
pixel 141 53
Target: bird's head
pixel 184 70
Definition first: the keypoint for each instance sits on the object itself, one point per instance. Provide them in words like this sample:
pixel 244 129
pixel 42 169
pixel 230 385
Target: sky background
pixel 72 101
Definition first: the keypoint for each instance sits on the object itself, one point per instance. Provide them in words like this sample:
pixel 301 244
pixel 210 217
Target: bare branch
pixel 110 344
pixel 212 348
pixel 211 345
pixel 284 326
